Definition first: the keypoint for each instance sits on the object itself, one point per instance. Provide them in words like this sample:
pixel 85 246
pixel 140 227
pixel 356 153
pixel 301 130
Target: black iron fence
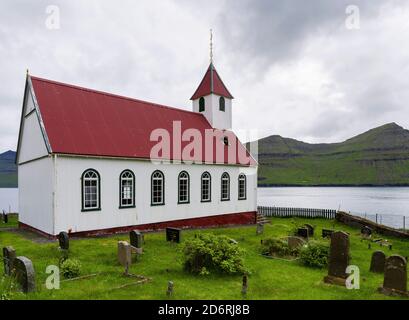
pixel 296 212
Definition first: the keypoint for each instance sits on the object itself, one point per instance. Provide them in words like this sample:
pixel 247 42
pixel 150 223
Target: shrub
pixel 70 268
pixel 315 254
pixel 278 247
pixel 210 253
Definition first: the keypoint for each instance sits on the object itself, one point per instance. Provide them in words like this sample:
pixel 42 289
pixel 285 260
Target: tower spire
pixel 211 46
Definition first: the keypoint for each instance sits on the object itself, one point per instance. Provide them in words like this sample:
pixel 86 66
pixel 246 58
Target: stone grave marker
pixel 378 262
pixel 310 229
pixel 338 258
pixel 64 240
pixel 295 242
pixel 174 235
pixel 326 233
pixel 25 274
pixel 244 285
pixel 302 232
pixel 136 239
pixel 5 217
pixel 260 229
pixel 124 254
pixel 366 231
pixel 9 256
pixel 395 277
pixel 169 292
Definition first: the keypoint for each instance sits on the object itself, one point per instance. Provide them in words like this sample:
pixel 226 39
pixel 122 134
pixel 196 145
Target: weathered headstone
pixel 326 233
pixel 5 217
pixel 64 240
pixel 244 286
pixel 9 256
pixel 124 254
pixel 174 235
pixel 25 274
pixel 310 229
pixel 303 232
pixel 338 258
pixel 260 228
pixel 136 239
pixel 169 292
pixel 366 231
pixel 378 262
pixel 395 277
pixel 295 242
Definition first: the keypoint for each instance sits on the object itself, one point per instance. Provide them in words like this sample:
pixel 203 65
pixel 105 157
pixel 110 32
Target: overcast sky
pixel 295 68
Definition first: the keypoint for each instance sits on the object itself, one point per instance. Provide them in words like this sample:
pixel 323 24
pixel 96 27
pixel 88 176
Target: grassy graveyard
pixel 162 262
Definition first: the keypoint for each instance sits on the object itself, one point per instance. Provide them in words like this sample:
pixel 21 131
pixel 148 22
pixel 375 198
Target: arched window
pixel 91 190
pixel 183 187
pixel 226 141
pixel 225 187
pixel 222 104
pixel 206 187
pixel 158 188
pixel 242 187
pixel 127 189
pixel 201 104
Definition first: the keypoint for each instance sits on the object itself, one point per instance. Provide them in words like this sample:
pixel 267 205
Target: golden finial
pixel 211 46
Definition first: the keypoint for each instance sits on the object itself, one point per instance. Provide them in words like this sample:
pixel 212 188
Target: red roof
pixel 81 121
pixel 211 83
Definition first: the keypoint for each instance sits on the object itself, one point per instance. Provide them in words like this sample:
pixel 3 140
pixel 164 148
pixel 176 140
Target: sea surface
pixel 389 203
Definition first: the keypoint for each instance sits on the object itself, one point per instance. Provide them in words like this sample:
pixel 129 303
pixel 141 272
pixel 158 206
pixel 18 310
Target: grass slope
pixel 270 278
pixel 377 157
pixel 8 170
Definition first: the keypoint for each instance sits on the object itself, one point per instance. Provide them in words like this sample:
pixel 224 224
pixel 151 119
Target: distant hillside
pixel 377 157
pixel 8 170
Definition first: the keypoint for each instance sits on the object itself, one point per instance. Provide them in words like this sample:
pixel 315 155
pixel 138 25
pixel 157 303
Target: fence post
pixel 404 223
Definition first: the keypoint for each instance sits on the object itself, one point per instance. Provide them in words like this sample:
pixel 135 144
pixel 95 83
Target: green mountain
pixel 8 170
pixel 377 157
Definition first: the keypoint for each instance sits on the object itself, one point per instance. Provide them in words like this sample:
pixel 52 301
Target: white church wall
pixel 35 184
pixel 68 193
pixel 32 144
pixel 221 119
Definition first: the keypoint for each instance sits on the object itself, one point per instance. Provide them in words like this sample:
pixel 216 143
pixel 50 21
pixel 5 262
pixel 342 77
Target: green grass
pixel 12 223
pixel 161 261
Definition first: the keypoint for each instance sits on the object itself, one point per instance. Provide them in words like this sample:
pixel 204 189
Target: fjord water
pixel 369 200
pixel 8 199
pixel 384 201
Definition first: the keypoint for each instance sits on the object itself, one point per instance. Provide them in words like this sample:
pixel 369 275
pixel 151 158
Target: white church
pixel 92 163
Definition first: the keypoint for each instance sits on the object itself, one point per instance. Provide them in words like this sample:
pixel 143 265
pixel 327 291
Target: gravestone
pixel 64 240
pixel 9 256
pixel 124 254
pixel 326 233
pixel 25 275
pixel 169 292
pixel 310 229
pixel 395 277
pixel 5 217
pixel 378 262
pixel 366 231
pixel 174 235
pixel 295 242
pixel 244 286
pixel 302 232
pixel 260 228
pixel 136 239
pixel 338 258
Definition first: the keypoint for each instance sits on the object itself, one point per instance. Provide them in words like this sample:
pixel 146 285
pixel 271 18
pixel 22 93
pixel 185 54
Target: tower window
pixel 222 104
pixel 226 141
pixel 201 104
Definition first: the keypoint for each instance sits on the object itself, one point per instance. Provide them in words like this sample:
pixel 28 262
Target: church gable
pixel 32 142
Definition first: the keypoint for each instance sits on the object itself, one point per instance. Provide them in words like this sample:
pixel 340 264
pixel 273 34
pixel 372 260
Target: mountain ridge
pixel 377 157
